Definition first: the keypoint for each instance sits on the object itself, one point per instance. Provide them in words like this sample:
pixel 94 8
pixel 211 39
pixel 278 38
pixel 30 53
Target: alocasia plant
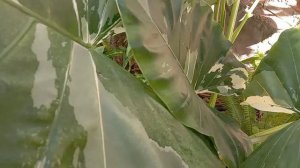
pixel 62 104
pixel 180 49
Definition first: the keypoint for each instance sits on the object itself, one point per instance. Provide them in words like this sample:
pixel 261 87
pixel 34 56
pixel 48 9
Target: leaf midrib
pixel 47 22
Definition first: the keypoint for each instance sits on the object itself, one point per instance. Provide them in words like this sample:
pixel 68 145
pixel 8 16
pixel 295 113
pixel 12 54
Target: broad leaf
pixel 84 20
pixel 275 87
pixel 275 84
pixel 60 110
pixel 168 40
pixel 157 122
pixel 282 150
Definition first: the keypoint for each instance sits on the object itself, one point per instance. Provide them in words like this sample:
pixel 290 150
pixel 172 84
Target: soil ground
pixel 271 17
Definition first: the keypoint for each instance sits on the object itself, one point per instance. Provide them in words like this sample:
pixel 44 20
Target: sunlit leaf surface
pixel 276 83
pixel 276 87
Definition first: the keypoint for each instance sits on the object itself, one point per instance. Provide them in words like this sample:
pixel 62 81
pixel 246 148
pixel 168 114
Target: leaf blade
pixel 51 118
pixel 161 64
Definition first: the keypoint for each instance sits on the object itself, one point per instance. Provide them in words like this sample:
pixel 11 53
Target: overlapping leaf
pixel 58 110
pixel 88 21
pixel 275 87
pixel 173 47
pixel 276 83
pixel 282 150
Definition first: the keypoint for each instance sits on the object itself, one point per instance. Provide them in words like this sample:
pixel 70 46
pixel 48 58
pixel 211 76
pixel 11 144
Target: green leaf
pixel 59 108
pixel 202 2
pixel 156 120
pixel 85 21
pixel 262 136
pixel 275 87
pixel 281 150
pixel 166 39
pixel 227 76
pixel 275 84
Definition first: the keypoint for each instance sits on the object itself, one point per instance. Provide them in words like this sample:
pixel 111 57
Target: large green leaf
pixel 282 150
pixel 166 38
pixel 60 110
pixel 195 42
pixel 159 124
pixel 84 20
pixel 275 87
pixel 276 83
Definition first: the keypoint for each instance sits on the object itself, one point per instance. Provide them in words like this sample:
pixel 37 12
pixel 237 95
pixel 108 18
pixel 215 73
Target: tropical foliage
pixel 65 103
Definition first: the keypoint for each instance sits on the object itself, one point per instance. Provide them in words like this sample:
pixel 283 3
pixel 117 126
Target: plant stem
pixel 102 34
pixel 232 19
pixel 244 20
pixel 216 10
pixel 240 27
pixel 222 18
pixel 213 100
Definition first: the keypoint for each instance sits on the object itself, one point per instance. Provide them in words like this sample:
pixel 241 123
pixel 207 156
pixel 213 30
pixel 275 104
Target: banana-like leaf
pixel 276 83
pixel 87 20
pixel 195 42
pixel 167 39
pixel 282 150
pixel 63 105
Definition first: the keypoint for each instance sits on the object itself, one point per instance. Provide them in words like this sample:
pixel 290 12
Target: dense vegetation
pixel 78 91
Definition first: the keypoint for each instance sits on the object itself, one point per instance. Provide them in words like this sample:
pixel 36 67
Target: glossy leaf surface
pixel 159 32
pixel 275 84
pixel 59 108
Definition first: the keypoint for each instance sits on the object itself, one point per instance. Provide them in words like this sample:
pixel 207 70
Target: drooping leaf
pixel 157 122
pixel 275 85
pixel 282 150
pixel 159 33
pixel 60 110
